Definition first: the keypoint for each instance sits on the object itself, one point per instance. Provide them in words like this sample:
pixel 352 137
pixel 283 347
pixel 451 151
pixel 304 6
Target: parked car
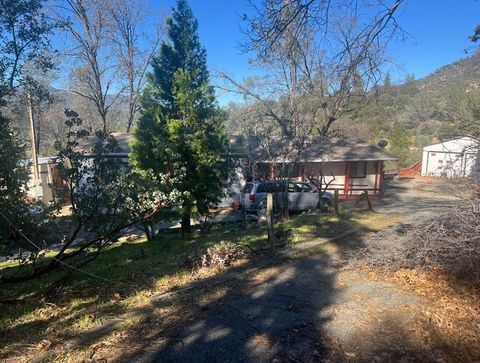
pixel 301 196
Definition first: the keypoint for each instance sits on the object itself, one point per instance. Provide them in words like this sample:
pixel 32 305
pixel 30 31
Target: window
pixel 291 188
pixel 358 169
pixel 307 188
pixel 269 187
pixel 247 188
pixel 294 187
pixel 261 188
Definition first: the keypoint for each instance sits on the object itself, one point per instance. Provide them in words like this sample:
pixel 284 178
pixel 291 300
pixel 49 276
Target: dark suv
pixel 301 196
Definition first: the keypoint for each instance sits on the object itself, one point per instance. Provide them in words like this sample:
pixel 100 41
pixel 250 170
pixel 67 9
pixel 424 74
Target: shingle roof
pixel 336 149
pixel 122 138
pixel 342 149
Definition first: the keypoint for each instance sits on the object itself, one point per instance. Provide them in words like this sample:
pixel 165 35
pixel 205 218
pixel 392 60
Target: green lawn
pixel 64 303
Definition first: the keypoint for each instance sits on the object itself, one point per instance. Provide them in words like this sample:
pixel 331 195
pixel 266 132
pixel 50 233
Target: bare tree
pixel 268 153
pixel 318 56
pixel 134 48
pixel 86 23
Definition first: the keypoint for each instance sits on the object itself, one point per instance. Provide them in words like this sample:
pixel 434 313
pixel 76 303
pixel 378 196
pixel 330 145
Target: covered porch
pixel 350 177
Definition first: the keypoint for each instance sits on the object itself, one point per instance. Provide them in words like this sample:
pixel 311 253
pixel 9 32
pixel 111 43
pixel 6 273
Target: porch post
pixel 347 179
pixel 376 176
pixel 272 172
pixel 380 186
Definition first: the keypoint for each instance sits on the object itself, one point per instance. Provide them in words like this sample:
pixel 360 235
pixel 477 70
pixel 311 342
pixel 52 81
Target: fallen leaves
pixel 44 345
pixel 451 315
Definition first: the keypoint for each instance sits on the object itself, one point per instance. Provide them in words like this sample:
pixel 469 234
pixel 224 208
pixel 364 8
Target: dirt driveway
pixel 304 311
pixel 318 308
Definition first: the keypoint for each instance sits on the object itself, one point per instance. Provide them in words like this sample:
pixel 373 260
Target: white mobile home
pixel 453 158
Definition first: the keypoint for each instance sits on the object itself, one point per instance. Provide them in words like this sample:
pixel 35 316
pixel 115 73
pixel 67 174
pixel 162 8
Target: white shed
pixel 453 158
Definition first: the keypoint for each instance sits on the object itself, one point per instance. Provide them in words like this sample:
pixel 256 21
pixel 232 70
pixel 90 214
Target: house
pixel 49 183
pixel 119 155
pixel 49 187
pixel 350 166
pixel 452 158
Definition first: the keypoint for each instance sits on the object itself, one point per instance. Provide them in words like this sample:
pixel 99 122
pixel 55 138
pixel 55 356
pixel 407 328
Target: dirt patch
pixel 366 318
pixel 306 310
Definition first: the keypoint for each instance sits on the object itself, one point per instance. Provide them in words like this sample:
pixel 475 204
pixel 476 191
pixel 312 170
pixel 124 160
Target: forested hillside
pixel 410 115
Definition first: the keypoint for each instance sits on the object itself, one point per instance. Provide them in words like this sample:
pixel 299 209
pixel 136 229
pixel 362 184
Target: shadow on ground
pixel 273 308
pixel 273 312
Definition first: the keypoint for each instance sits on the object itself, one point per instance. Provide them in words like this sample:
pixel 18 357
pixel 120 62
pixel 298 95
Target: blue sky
pixel 438 29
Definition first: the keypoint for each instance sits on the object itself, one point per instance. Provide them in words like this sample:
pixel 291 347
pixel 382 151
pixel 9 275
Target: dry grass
pixel 50 325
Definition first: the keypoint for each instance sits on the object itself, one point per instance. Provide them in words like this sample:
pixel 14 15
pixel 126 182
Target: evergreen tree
pixel 475 37
pixel 399 140
pixel 387 82
pixel 13 181
pixel 180 133
pixel 24 31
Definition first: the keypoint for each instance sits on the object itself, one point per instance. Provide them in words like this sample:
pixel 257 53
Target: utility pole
pixel 36 174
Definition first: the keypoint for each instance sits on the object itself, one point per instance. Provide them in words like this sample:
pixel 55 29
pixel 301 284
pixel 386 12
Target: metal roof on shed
pixel 457 145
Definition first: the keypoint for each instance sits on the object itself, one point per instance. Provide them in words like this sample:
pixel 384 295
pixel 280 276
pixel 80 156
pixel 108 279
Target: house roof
pixel 123 140
pixel 345 149
pixel 336 149
pixel 40 160
pixel 331 150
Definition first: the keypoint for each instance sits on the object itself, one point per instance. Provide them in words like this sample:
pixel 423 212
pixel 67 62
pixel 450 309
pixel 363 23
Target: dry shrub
pixel 221 255
pixel 450 241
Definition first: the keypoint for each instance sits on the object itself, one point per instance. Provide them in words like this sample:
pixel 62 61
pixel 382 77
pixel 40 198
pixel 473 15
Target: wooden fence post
pixel 335 202
pixel 270 217
pixel 369 203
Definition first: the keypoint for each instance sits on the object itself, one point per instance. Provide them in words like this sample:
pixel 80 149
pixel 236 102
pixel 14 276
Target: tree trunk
pixel 131 117
pixel 33 141
pixel 369 203
pixel 148 231
pixel 104 122
pixel 285 214
pixel 186 226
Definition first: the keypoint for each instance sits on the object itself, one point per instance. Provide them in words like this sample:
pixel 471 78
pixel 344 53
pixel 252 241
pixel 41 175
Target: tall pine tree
pixel 180 133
